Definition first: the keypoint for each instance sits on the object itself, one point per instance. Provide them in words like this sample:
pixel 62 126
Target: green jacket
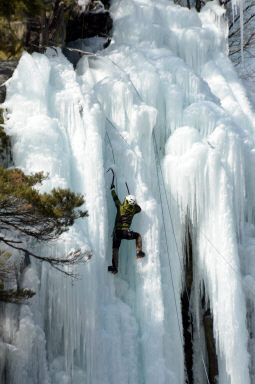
pixel 125 213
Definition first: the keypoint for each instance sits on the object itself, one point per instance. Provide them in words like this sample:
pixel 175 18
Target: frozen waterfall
pixel 162 106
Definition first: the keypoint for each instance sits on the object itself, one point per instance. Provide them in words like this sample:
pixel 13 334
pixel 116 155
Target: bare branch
pixel 74 257
pixel 246 44
pixel 238 30
pixel 238 16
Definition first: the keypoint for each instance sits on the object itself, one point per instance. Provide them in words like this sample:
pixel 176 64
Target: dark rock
pixel 7 68
pixel 187 319
pixel 213 369
pixel 2 93
pixel 88 24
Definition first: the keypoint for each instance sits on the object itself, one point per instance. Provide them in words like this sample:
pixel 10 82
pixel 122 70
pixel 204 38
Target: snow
pixel 162 106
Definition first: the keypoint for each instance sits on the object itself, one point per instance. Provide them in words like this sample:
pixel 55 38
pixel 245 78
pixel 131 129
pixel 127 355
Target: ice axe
pixel 127 188
pixel 113 176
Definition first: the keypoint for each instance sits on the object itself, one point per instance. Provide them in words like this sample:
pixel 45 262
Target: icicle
pixel 238 6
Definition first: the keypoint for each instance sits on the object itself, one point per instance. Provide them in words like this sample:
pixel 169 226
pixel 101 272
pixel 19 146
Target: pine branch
pixel 19 296
pixel 74 257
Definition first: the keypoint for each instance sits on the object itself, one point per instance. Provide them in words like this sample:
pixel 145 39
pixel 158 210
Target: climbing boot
pixel 139 244
pixel 112 269
pixel 139 254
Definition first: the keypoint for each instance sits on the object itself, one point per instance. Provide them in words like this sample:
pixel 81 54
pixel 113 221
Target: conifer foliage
pixel 41 216
pixel 25 213
pixel 44 217
pixel 22 7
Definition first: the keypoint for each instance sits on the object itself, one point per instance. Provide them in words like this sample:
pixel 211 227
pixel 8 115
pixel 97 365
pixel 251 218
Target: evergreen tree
pixel 30 214
pixel 20 8
pixel 25 213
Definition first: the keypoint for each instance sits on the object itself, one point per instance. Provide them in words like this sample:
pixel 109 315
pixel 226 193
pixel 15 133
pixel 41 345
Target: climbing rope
pixel 171 275
pixel 136 91
pixel 168 253
pixel 176 244
pixel 161 203
pixel 138 94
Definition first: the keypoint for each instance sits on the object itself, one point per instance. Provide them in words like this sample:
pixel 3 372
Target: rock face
pixel 88 24
pixel 60 22
pixel 48 29
pixel 64 23
pixel 189 320
pixel 7 68
pixel 68 23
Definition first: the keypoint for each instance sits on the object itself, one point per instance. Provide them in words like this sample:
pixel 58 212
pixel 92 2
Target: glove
pixel 112 186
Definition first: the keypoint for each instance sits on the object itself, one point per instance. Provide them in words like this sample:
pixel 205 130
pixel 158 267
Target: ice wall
pixel 162 106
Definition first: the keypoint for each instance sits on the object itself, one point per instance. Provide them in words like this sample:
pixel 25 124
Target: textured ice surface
pixel 165 93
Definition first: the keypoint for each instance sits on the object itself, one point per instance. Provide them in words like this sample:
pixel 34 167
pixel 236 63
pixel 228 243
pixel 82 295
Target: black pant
pixel 119 235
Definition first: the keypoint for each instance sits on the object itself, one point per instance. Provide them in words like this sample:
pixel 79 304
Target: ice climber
pixel 124 217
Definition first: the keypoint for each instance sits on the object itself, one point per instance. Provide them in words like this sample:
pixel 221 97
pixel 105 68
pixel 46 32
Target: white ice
pixel 163 106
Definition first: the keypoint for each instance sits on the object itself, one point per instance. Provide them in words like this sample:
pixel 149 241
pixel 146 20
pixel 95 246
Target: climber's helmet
pixel 131 199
